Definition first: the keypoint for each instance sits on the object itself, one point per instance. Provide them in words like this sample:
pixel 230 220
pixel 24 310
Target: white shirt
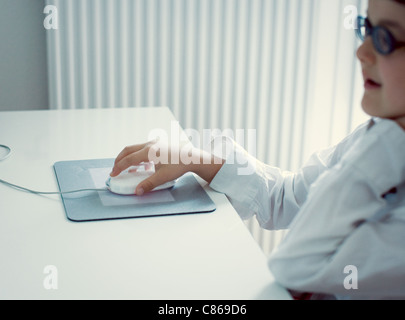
pixel 333 244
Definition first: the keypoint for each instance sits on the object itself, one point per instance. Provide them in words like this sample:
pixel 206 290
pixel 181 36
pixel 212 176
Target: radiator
pixel 284 68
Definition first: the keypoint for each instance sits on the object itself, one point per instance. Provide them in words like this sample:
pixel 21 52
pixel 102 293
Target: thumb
pixel 148 184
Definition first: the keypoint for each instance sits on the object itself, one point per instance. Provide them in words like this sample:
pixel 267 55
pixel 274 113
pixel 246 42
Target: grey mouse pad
pixel 185 197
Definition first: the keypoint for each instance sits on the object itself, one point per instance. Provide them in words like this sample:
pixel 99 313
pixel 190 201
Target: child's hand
pixel 170 163
pixel 165 170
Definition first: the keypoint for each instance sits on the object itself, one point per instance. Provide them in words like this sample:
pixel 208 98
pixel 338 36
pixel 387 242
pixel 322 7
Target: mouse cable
pixel 8 151
pixel 41 192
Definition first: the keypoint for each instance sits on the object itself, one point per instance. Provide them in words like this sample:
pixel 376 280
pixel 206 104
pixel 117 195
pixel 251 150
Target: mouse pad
pixel 185 197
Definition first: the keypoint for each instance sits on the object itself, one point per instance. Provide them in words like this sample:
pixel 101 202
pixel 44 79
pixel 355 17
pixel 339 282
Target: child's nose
pixel 366 52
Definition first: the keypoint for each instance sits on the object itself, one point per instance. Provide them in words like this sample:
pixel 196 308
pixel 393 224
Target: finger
pixel 131 149
pixel 150 183
pixel 128 150
pixel 132 159
pixel 146 166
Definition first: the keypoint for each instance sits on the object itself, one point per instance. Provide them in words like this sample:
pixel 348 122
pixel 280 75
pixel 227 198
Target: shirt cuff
pixel 237 177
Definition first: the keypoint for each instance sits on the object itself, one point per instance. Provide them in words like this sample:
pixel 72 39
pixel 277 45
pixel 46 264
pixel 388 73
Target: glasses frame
pixel 375 32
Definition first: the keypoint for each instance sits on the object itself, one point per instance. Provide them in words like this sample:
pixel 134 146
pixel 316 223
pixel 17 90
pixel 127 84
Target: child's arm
pixel 274 196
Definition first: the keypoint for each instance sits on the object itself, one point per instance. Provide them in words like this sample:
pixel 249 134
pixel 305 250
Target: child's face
pixel 384 76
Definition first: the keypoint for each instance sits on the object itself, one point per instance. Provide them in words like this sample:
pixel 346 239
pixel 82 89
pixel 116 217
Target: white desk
pixel 204 256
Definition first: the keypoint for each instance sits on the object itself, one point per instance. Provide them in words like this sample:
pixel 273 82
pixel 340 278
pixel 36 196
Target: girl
pixel 345 209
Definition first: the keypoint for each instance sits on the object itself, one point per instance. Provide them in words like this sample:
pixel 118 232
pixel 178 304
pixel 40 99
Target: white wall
pixel 23 55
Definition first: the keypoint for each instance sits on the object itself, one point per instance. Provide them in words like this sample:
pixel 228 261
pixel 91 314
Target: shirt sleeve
pixel 328 235
pixel 273 195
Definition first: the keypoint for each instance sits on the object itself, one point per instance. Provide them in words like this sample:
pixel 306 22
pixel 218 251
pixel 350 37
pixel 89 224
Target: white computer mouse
pixel 127 181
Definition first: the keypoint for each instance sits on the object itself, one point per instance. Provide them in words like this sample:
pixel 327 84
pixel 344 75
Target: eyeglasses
pixel 383 41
